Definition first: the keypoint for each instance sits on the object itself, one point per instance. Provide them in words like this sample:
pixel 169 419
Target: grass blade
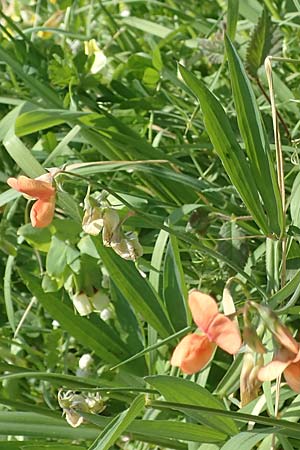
pixel 228 149
pixel 253 134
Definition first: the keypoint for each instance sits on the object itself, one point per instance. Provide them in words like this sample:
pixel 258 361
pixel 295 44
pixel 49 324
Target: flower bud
pixel 85 361
pixel 280 332
pixel 82 303
pixel 99 301
pixel 249 383
pixel 111 222
pixel 92 222
pixel 129 247
pixel 252 339
pixel 73 404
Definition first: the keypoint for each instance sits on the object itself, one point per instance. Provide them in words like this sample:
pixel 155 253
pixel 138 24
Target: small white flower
pixel 85 361
pixel 106 314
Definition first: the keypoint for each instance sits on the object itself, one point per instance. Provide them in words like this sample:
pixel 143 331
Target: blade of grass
pixel 254 136
pixel 228 149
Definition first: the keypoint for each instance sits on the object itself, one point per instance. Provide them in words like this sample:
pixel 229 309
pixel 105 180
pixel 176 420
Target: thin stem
pixel 280 118
pixel 23 318
pixel 276 408
pixel 279 161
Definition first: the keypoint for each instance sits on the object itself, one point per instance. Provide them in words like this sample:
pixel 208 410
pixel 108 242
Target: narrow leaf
pixel 253 134
pixel 232 17
pixel 118 425
pixel 100 339
pixel 136 290
pixel 174 289
pixel 183 391
pixel 233 158
pixel 260 43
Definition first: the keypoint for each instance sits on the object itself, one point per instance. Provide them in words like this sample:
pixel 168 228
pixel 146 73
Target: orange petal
pixel 42 212
pixel 225 333
pixel 33 188
pixel 275 368
pixel 284 336
pixel 292 376
pixel 192 353
pixel 203 308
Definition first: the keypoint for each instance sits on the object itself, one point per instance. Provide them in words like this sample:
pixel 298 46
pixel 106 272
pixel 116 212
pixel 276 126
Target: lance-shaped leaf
pixel 260 44
pixel 223 139
pixel 254 136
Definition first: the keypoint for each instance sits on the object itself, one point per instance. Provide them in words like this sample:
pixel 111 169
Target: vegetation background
pixel 98 82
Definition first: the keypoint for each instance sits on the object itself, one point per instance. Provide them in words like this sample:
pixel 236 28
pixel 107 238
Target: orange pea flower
pixel 194 351
pixel 40 188
pixel 286 360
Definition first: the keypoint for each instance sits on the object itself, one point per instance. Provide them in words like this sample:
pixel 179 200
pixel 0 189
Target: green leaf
pixel 233 158
pixel 286 291
pixel 294 202
pixel 172 430
pixel 39 238
pixel 136 290
pixel 36 86
pixel 156 59
pixel 244 441
pixel 56 260
pixel 118 425
pixel 8 196
pixel 232 17
pixel 256 144
pixel 260 43
pixel 151 77
pixel 174 290
pixel 32 121
pixel 131 327
pixel 15 147
pixel 147 26
pixel 234 247
pixel 102 340
pixel 32 424
pixel 182 391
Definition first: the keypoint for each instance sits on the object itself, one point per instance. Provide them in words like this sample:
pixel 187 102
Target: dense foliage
pixel 154 134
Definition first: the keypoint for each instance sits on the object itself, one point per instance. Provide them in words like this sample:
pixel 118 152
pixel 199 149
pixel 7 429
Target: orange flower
pixel 42 211
pixel 194 351
pixel 286 360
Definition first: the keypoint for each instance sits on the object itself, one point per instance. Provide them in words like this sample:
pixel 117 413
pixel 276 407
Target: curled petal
pixel 225 333
pixel 34 188
pixel 292 376
pixel 42 212
pixel 203 308
pixel 192 353
pixel 284 336
pixel 272 370
pixel 275 368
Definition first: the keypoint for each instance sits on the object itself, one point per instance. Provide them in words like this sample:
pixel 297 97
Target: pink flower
pixel 42 211
pixel 194 351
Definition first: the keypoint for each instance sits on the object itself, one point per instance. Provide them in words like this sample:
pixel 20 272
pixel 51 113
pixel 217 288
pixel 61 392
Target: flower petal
pixel 34 188
pixel 292 376
pixel 203 308
pixel 192 353
pixel 225 333
pixel 284 336
pixel 42 212
pixel 281 361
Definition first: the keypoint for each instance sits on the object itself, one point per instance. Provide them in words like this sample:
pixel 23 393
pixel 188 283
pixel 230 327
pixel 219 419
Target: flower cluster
pixel 41 189
pixel 99 218
pixel 195 350
pixel 85 304
pixel 73 404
